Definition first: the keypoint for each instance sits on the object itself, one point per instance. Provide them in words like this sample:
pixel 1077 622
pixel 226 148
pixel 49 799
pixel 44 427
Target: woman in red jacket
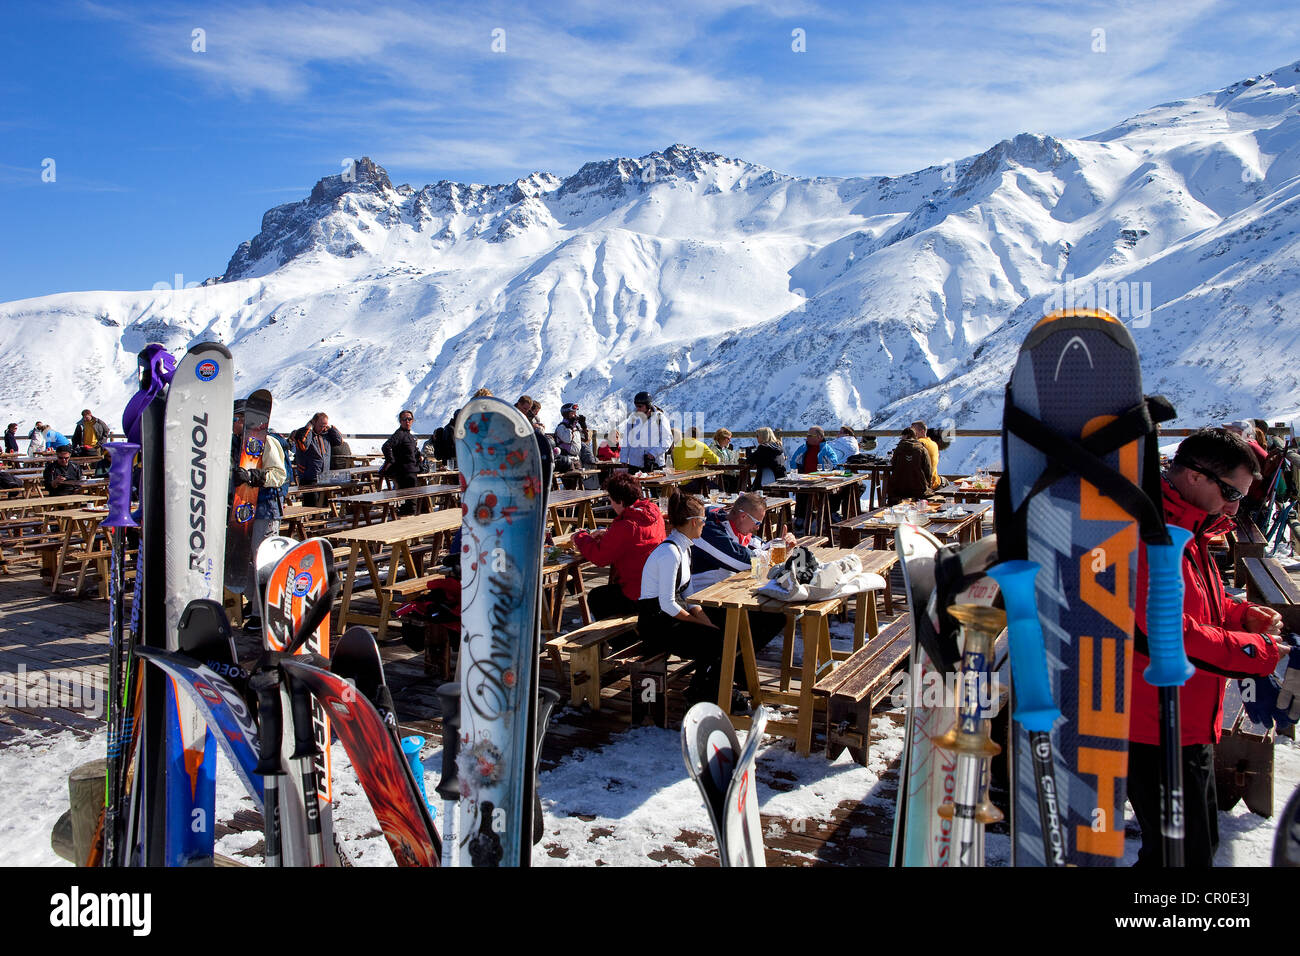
pixel 623 547
pixel 1203 488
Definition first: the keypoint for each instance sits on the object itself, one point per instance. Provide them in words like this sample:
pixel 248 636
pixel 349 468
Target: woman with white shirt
pixel 666 619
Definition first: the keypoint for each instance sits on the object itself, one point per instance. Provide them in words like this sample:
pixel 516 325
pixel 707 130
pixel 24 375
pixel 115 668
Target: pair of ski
pixel 160 769
pixel 1080 487
pixel 724 772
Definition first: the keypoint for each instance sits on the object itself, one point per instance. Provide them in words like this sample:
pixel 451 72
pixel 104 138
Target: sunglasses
pixel 406 419
pixel 1229 493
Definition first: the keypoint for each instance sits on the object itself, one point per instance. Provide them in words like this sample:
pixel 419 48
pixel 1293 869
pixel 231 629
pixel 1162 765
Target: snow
pixel 630 803
pixel 739 293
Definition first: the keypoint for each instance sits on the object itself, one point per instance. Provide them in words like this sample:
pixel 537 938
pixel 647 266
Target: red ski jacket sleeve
pixel 1212 635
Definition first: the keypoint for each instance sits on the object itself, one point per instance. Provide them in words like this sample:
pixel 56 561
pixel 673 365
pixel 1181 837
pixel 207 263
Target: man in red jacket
pixel 1203 487
pixel 637 529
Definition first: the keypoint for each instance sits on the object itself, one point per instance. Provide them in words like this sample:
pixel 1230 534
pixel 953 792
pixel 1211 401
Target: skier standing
pixel 402 460
pixel 268 480
pixel 1203 487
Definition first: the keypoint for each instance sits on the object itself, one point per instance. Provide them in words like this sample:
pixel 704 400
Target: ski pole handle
pixel 119 484
pixel 411 747
pixel 1035 709
pixel 266 684
pixel 1169 664
pixel 449 701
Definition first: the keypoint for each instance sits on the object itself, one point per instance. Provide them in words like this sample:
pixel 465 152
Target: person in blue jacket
pixel 816 452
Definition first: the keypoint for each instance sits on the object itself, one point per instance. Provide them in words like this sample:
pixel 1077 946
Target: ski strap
pixel 157 368
pixel 1084 457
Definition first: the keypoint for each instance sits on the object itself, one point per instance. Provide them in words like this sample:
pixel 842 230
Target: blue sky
pixel 166 157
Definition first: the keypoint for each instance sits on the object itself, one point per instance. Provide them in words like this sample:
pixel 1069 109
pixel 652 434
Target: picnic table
pixel 574 478
pixel 443 476
pixel 422 495
pixel 296 518
pixel 559 567
pixel 967 490
pixel 364 475
pixel 330 493
pixel 79 528
pixel 875 524
pixel 657 483
pixel 818 488
pixel 878 475
pixel 578 505
pixel 368 545
pixel 736 596
pixel 18 514
pixel 740 469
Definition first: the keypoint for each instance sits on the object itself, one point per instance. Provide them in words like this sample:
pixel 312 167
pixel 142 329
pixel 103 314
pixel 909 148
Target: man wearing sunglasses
pixel 1203 488
pixel 402 461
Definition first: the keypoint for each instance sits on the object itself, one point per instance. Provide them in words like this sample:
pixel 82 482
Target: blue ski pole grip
pixel 1035 709
pixel 119 484
pixel 1169 664
pixel 411 747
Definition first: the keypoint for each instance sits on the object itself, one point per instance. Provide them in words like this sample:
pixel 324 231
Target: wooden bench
pixel 857 684
pixel 1247 541
pixel 1268 583
pixel 589 656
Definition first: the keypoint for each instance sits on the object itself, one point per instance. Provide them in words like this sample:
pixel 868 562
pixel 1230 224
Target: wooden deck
pixel 40 633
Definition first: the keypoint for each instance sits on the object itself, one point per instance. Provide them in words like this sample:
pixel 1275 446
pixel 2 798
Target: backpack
pixel 288 465
pixel 909 475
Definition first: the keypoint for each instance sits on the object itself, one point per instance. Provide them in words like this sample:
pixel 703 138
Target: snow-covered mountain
pixel 739 295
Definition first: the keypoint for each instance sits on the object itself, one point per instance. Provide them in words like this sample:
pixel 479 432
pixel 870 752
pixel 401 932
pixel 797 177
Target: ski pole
pixel 266 684
pixel 118 520
pixel 304 755
pixel 1035 710
pixel 449 783
pixel 1168 670
pixel 970 807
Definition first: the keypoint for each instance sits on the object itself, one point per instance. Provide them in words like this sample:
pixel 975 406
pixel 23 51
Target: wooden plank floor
pixel 43 634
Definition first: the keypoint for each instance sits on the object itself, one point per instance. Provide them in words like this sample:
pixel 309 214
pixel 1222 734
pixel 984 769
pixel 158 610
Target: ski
pixel 741 820
pixel 354 693
pixel 295 620
pixel 710 750
pixel 196 463
pixel 146 820
pixel 1080 479
pixel 502 529
pixel 211 686
pixel 243 510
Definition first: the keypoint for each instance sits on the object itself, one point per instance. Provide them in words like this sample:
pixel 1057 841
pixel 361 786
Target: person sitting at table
pixel 728 454
pixel 637 529
pixel 768 458
pixel 935 443
pixel 61 471
pixel 845 444
pixel 730 541
pixel 666 621
pixel 910 468
pixel 11 439
pixel 689 453
pixel 8 480
pixel 402 462
pixel 608 450
pixel 815 453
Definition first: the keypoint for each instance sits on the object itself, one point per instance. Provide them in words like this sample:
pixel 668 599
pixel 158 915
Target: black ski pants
pixel 1200 803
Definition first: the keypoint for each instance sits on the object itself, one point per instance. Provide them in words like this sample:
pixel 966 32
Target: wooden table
pixel 966 490
pixel 368 544
pixel 557 572
pixel 736 595
pixel 572 480
pixel 440 477
pixel 422 495
pixel 367 476
pixel 660 483
pixel 960 530
pixel 80 528
pixel 818 489
pixel 878 475
pixel 740 469
pixel 579 501
pixel 296 517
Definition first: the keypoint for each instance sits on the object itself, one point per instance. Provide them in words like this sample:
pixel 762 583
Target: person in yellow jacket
pixel 691 454
pixel 932 449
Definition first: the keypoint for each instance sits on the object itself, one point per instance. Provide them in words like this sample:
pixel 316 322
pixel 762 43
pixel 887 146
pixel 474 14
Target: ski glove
pixel 254 477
